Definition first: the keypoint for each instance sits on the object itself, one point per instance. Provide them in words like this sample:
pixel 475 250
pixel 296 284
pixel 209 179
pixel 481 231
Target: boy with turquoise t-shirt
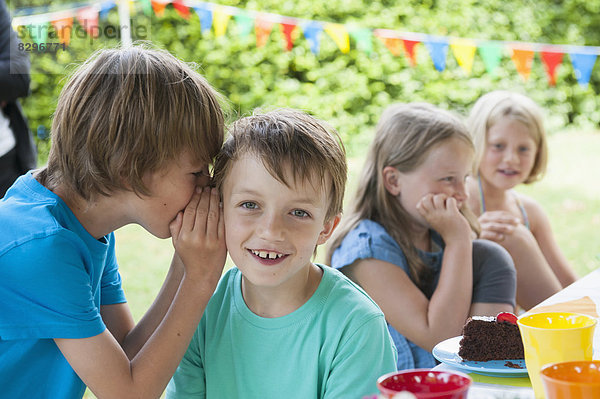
pixel 278 325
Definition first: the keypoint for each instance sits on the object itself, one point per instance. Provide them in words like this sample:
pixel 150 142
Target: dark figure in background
pixel 18 153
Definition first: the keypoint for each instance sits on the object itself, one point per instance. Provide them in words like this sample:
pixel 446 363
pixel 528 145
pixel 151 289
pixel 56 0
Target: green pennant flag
pixel 38 33
pixel 146 6
pixel 245 23
pixel 363 38
pixel 491 53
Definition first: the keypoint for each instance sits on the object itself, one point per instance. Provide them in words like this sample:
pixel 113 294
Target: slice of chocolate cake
pixel 491 338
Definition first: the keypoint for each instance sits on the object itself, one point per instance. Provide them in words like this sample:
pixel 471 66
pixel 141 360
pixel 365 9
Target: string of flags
pixel 217 17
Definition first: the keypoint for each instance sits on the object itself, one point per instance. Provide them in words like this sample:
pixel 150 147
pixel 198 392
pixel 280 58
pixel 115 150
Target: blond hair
pixel 403 137
pixel 127 112
pixel 289 138
pixel 491 108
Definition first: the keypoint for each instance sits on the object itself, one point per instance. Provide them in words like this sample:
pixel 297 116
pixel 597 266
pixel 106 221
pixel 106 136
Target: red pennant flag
pixel 409 48
pixel 88 18
pixel 262 28
pixel 523 60
pixel 181 9
pixel 287 30
pixel 551 60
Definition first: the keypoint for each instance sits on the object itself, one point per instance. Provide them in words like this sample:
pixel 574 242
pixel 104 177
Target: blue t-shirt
pixel 494 275
pixel 54 276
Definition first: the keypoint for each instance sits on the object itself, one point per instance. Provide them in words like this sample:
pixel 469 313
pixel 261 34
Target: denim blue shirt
pixel 494 276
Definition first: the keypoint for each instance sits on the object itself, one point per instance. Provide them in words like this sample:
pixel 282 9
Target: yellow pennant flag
pixel 220 21
pixel 464 52
pixel 339 34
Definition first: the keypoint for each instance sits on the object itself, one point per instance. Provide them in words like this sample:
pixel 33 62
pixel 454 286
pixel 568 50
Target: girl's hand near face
pixel 443 215
pixel 199 235
pixel 497 225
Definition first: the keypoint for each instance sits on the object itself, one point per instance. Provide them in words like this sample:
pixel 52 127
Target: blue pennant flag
pixel 438 50
pixel 105 7
pixel 206 18
pixel 583 63
pixel 312 32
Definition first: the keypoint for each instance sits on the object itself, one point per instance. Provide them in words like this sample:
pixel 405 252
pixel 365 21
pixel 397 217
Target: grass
pixel 569 193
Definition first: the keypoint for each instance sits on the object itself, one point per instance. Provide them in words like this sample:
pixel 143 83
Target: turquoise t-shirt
pixel 336 345
pixel 54 276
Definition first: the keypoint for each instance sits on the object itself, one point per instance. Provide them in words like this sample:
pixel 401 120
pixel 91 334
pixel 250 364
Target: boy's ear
pixel 391 180
pixel 328 228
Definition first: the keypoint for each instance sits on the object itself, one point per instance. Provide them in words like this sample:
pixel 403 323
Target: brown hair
pixel 403 137
pixel 127 112
pixel 287 137
pixel 492 107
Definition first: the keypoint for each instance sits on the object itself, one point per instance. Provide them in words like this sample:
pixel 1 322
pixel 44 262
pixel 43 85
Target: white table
pixel 589 286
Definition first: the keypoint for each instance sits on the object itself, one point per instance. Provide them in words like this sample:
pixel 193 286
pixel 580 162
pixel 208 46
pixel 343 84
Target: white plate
pixel 447 353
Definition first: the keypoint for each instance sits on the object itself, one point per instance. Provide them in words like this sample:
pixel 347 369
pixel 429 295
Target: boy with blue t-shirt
pixel 132 137
pixel 279 325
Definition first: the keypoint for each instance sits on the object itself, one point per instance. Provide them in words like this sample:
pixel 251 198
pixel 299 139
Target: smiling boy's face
pixel 272 229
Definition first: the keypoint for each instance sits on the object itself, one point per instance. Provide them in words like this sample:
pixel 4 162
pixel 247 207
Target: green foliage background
pixel 350 90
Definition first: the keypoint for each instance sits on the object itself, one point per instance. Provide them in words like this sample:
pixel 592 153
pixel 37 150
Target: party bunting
pixel 312 33
pixel 491 54
pixel 409 49
pixel 63 28
pixel 182 9
pixel 262 29
pixel 464 52
pixel 88 18
pixel 245 23
pixel 583 63
pixel 287 30
pixel 216 16
pixel 206 18
pixel 220 20
pixel 551 60
pixel 438 51
pixel 523 60
pixel 339 34
pixel 363 38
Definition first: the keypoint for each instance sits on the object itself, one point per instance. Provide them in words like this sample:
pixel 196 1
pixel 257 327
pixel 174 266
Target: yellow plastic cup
pixel 554 337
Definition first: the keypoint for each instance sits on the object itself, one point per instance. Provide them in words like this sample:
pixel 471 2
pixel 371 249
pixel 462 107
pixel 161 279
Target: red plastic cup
pixel 425 384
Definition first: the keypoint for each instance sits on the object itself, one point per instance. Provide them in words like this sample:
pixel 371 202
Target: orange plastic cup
pixel 572 380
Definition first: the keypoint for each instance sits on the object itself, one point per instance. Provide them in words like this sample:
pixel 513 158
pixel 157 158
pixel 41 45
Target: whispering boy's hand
pixel 198 235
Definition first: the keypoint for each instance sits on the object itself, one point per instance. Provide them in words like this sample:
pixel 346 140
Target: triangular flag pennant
pixel 146 6
pixel 464 52
pixel 206 18
pixel 392 43
pixel 312 33
pixel 583 63
pixel 491 53
pixel 523 60
pixel 262 29
pixel 220 21
pixel 244 23
pixel 105 7
pixel 287 30
pixel 38 32
pixel 409 49
pixel 181 9
pixel 159 7
pixel 438 51
pixel 63 28
pixel 363 38
pixel 551 60
pixel 88 18
pixel 339 34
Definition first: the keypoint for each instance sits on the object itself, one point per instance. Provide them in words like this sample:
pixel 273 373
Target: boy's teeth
pixel 267 255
